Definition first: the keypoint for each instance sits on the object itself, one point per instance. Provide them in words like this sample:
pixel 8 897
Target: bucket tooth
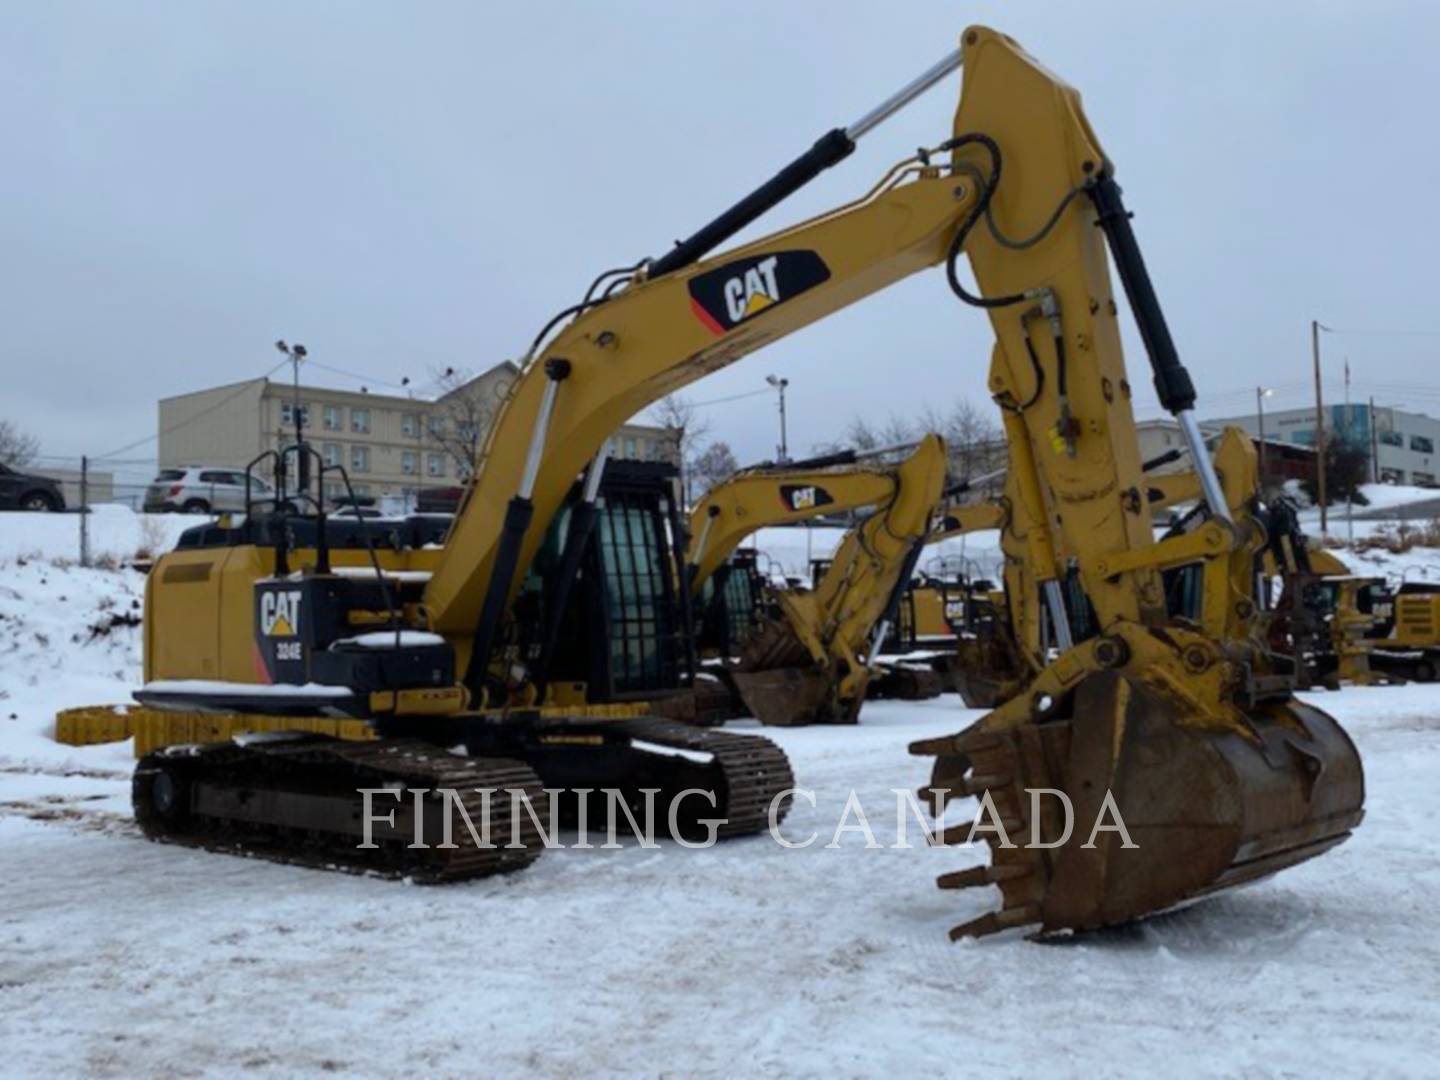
pixel 982 875
pixel 994 921
pixel 978 783
pixel 941 747
pixel 960 833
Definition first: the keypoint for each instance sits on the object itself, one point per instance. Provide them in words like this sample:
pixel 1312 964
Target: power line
pixel 733 397
pixel 186 423
pixel 1381 333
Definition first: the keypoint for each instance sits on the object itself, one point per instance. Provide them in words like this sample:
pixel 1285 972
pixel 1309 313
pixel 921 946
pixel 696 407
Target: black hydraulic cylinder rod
pixel 892 606
pixel 1163 459
pixel 512 535
pixel 1172 381
pixel 832 147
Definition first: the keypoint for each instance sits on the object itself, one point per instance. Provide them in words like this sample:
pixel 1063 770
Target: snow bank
pixel 116 533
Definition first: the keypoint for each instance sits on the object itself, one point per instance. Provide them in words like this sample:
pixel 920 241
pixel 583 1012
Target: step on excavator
pixel 1220 774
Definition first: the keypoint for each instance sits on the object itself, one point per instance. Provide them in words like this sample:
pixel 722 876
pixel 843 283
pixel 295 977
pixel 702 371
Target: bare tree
pixel 860 434
pixel 462 415
pixel 17 448
pixel 711 466
pixel 679 415
pixel 973 437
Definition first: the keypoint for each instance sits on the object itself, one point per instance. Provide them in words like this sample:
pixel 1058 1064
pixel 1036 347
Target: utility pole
pixel 1260 395
pixel 84 510
pixel 1315 329
pixel 780 385
pixel 1374 447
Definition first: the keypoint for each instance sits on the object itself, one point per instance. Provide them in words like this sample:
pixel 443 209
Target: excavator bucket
pixel 793 696
pixel 1203 809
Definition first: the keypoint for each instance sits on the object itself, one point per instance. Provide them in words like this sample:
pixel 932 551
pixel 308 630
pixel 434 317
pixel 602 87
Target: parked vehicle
pixel 25 491
pixel 198 489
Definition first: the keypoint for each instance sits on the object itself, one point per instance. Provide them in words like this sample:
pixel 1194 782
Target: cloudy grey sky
pixel 404 187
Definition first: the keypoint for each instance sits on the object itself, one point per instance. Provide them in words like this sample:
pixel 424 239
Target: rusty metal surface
pixel 792 696
pixel 903 682
pixel 1207 809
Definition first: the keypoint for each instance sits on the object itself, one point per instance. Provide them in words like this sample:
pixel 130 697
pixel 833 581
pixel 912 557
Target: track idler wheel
pixel 1203 808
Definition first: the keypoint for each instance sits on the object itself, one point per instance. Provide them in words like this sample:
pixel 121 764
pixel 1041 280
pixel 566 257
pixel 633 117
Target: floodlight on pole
pixel 780 384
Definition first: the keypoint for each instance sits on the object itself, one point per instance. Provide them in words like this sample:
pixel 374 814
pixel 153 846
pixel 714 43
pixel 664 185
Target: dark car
pixel 22 491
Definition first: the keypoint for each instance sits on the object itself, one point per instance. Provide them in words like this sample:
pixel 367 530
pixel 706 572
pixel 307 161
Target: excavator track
pixel 295 800
pixel 748 771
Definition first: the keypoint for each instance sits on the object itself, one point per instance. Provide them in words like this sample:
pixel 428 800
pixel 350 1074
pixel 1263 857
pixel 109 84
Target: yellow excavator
pixel 1173 723
pixel 812 662
pixel 816 655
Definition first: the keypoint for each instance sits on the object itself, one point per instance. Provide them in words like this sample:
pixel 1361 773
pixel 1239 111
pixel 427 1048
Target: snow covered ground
pixel 119 957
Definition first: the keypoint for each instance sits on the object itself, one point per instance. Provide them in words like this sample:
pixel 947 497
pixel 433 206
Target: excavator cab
pixel 626 633
pixel 731 603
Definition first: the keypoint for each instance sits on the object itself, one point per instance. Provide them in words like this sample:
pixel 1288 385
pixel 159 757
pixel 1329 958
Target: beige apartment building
pixel 389 445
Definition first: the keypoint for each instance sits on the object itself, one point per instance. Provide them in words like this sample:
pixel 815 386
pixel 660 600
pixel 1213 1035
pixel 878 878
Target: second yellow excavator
pixel 812 662
pixel 812 655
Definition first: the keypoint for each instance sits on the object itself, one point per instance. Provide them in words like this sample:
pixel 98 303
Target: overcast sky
pixel 405 187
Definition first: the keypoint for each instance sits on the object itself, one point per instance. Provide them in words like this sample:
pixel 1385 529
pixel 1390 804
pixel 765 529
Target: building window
pixel 1421 444
pixel 333 418
pixel 409 462
pixel 435 425
pixel 1423 479
pixel 287 415
pixel 410 425
pixel 435 464
pixel 1392 476
pixel 333 455
pixel 360 458
pixel 360 421
pixel 1391 438
pixel 361 489
pixel 630 448
pixel 1303 436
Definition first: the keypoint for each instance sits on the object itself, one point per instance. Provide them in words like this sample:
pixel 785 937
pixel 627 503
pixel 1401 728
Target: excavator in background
pixel 1173 723
pixel 759 497
pixel 1344 628
pixel 823 654
pixel 812 661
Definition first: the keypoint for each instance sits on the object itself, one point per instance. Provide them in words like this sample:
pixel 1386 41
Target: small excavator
pixel 1175 724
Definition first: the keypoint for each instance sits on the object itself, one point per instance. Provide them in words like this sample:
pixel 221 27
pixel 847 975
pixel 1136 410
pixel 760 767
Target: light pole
pixel 780 385
pixel 1261 393
pixel 1315 328
pixel 297 353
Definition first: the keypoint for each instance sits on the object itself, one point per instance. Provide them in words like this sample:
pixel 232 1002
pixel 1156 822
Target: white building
pixel 1402 444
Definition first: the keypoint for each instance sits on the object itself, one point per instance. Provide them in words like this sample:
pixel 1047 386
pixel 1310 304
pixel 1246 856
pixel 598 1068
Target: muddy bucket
pixel 1203 809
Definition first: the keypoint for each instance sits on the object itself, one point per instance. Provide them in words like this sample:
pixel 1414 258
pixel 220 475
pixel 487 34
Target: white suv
pixel 199 489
